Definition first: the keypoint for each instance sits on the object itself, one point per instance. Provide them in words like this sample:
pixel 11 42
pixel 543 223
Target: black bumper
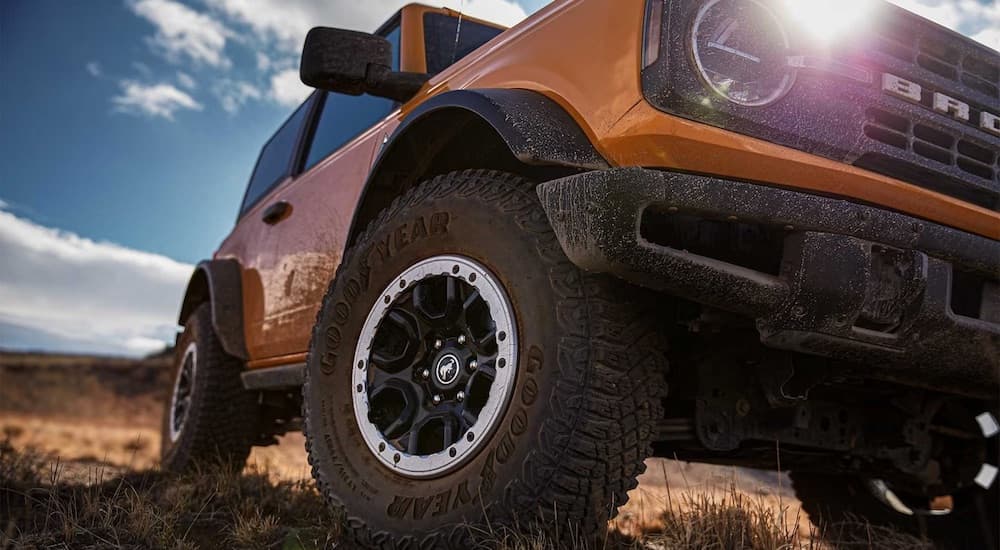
pixel 848 281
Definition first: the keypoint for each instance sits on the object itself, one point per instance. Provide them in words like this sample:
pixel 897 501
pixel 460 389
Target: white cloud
pixel 276 28
pixel 101 296
pixel 287 89
pixel 990 36
pixel 186 81
pixel 235 94
pixel 94 68
pixel 498 11
pixel 287 21
pixel 3 204
pixel 182 32
pixel 263 61
pixel 153 100
pixel 969 17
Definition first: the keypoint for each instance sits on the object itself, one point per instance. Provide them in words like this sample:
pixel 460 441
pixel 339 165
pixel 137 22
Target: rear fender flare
pixel 219 283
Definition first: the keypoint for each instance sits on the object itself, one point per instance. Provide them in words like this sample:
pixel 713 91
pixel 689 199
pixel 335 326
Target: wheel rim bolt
pixel 460 396
pixel 436 399
pixel 438 343
pixel 461 338
pixel 473 365
pixel 425 374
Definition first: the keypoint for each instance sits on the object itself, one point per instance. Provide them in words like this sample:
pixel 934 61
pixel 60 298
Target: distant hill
pixel 83 386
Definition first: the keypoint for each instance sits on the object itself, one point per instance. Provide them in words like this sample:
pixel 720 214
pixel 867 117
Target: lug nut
pixel 461 338
pixel 460 396
pixel 473 365
pixel 425 374
pixel 436 399
pixel 438 344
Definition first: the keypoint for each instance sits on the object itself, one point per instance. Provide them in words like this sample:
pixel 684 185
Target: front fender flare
pixel 536 130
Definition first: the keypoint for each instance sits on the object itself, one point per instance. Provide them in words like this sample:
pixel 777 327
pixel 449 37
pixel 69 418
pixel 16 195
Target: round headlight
pixel 741 51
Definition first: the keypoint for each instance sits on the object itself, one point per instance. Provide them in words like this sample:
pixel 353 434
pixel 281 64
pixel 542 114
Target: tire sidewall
pixel 495 235
pixel 175 454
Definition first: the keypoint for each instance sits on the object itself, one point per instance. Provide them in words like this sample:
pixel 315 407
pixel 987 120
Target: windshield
pixel 448 39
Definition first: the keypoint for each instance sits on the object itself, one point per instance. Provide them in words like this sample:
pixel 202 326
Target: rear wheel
pixel 463 371
pixel 209 418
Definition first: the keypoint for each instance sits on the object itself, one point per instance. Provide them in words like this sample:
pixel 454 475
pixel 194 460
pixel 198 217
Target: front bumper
pixel 848 281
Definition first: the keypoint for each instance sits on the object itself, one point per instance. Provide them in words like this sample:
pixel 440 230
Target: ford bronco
pixel 489 272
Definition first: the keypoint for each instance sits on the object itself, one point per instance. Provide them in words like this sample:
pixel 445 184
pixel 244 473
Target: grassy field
pixel 79 441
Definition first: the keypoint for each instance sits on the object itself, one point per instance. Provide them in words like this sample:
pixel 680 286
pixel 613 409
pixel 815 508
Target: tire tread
pixel 612 365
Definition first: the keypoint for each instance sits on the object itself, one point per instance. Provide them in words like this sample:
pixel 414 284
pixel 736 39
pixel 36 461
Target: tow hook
pixel 881 491
pixel 944 504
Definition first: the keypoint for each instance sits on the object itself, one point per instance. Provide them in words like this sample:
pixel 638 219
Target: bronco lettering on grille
pixel 960 110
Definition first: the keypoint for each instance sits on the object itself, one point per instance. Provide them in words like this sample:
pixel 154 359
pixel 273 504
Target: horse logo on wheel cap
pixel 446 369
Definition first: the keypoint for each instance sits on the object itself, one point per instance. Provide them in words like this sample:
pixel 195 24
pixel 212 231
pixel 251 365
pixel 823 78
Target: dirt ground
pixel 105 415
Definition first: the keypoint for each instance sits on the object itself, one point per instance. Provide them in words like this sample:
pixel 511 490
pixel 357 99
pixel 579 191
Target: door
pixel 339 147
pixel 253 242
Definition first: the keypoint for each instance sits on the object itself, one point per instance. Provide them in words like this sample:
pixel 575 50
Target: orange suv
pixel 491 271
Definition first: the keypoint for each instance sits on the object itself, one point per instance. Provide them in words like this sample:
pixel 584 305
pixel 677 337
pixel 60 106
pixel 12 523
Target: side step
pixel 275 378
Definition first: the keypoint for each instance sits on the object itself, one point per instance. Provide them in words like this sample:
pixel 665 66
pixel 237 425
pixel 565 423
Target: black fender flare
pixel 218 282
pixel 536 130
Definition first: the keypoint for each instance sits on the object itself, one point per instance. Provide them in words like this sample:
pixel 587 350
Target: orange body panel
pixel 282 290
pixel 583 54
pixel 604 96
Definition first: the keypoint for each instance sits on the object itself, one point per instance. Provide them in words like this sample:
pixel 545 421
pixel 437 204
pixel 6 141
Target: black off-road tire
pixel 219 427
pixel 586 397
pixel 844 507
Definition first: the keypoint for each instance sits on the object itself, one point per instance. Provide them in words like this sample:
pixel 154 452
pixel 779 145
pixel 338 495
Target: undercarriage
pixel 733 401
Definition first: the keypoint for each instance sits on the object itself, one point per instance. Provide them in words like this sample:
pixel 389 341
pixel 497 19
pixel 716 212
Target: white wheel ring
pixel 428 466
pixel 175 428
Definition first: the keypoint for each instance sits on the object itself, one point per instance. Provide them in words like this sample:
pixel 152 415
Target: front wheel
pixel 462 370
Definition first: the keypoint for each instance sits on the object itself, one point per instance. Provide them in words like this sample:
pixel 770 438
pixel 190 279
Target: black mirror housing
pixel 340 60
pixel 354 63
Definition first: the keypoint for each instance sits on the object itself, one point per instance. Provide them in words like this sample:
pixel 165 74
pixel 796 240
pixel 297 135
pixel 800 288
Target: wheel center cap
pixel 446 370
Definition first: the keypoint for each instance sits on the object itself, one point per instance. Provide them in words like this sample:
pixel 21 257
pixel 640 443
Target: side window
pixel 344 117
pixel 275 158
pixel 446 42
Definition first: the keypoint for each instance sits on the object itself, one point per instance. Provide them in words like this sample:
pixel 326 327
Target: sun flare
pixel 828 20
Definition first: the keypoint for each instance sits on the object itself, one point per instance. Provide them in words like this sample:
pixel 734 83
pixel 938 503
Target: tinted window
pixel 344 117
pixel 439 39
pixel 275 158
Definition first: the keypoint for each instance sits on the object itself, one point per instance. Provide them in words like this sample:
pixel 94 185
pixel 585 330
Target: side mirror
pixel 354 63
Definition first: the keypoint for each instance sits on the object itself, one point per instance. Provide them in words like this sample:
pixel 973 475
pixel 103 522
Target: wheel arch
pixel 218 282
pixel 513 130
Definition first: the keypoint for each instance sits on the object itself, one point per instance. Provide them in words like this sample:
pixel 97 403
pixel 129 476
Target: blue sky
pixel 128 129
pixel 88 165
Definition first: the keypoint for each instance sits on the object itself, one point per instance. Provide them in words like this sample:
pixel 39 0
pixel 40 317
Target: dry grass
pixel 150 509
pixel 732 521
pixel 118 508
pixel 93 484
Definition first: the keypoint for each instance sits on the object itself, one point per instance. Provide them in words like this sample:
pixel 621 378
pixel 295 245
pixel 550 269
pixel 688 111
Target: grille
pixel 932 143
pixel 938 145
pixel 858 122
pixel 940 57
pixel 924 147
